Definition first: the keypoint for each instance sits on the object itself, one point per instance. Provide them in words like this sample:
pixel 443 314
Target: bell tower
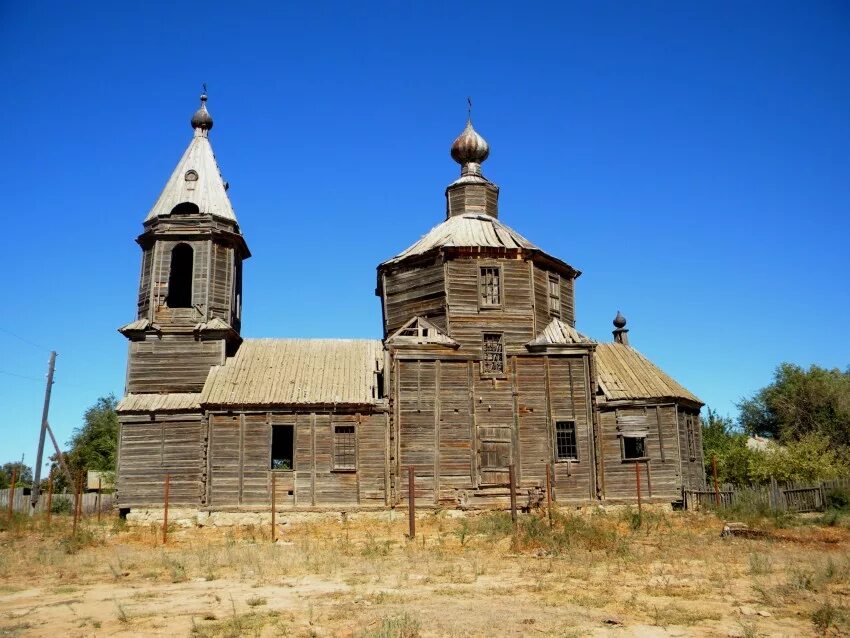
pixel 189 305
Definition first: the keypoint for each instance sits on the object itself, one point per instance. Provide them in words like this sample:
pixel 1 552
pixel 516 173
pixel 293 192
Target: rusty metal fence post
pixel 549 492
pixel 411 503
pixel 714 474
pixel 637 485
pixel 274 485
pixel 99 497
pixel 165 510
pixel 78 499
pixel 648 479
pixel 49 495
pixel 512 480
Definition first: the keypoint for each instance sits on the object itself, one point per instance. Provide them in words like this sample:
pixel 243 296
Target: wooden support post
pixel 714 475
pixel 411 503
pixel 637 485
pixel 274 486
pixel 49 495
pixel 12 492
pixel 648 479
pixel 512 479
pixel 549 492
pixel 165 509
pixel 99 496
pixel 36 485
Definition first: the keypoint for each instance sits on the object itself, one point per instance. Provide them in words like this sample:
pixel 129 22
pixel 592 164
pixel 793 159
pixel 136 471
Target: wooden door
pixel 494 455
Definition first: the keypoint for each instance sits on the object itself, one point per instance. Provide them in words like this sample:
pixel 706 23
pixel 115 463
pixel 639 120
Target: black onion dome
pixel 619 321
pixel 202 118
pixel 470 147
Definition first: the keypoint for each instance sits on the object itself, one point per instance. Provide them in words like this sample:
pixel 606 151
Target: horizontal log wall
pixel 662 449
pixel 171 363
pixel 468 321
pixel 239 457
pixel 416 291
pixel 151 447
pixel 541 298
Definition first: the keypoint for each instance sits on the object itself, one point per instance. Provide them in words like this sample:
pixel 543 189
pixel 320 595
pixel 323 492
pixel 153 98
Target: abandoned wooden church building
pixel 481 367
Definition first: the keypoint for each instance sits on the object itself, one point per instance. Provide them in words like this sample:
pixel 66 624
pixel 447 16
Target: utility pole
pixel 51 366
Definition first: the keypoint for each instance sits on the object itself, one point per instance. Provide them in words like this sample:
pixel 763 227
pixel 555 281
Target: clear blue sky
pixel 692 159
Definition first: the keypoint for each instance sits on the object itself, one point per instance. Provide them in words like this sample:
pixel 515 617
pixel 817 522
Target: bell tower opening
pixel 180 277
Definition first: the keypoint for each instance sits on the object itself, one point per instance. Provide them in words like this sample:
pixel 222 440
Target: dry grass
pixel 468 576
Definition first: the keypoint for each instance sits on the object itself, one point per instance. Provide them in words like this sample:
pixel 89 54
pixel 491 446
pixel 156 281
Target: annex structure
pixel 481 367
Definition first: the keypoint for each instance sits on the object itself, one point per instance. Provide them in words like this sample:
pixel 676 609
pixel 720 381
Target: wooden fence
pixel 21 502
pixel 787 497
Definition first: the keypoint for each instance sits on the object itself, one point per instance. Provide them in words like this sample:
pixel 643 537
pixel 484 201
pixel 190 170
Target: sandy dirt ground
pixel 592 574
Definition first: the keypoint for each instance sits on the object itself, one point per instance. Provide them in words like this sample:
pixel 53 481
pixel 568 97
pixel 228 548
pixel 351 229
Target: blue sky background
pixel 692 159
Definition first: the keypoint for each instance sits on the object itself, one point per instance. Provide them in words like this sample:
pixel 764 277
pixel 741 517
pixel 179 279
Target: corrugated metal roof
pixel 558 333
pixel 207 192
pixel 160 402
pixel 470 230
pixel 624 373
pixel 297 371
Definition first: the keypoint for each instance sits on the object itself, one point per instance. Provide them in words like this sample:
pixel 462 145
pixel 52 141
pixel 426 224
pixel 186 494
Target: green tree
pixel 811 458
pixel 799 402
pixel 721 440
pixel 23 474
pixel 94 445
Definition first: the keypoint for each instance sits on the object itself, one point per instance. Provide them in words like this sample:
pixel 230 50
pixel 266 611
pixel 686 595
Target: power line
pixel 20 376
pixel 26 341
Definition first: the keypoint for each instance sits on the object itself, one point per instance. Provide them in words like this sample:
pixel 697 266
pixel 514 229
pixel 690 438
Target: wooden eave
pixel 379 406
pixel 234 238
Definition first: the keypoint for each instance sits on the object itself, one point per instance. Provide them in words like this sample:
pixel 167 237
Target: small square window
pixel 634 447
pixel 345 448
pixel 493 355
pixel 490 286
pixel 566 448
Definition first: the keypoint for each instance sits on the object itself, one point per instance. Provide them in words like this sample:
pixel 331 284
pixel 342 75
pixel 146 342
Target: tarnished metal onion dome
pixel 202 118
pixel 470 148
pixel 619 321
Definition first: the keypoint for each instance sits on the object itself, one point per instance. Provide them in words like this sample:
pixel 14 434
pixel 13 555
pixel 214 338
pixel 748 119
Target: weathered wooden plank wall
pixel 418 291
pixel 151 447
pixel 171 363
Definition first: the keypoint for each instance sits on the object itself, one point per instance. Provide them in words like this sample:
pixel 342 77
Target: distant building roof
pixel 624 373
pixel 268 372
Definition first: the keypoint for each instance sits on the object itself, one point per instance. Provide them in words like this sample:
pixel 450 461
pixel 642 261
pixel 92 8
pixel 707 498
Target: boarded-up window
pixel 689 428
pixel 634 447
pixel 490 284
pixel 493 354
pixel 180 277
pixel 566 448
pixel 555 295
pixel 282 457
pixel 345 448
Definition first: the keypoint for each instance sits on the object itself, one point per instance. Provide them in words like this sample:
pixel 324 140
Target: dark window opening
pixel 634 447
pixel 282 456
pixel 491 286
pixel 180 277
pixel 493 355
pixel 566 448
pixel 186 208
pixel 379 385
pixel 345 448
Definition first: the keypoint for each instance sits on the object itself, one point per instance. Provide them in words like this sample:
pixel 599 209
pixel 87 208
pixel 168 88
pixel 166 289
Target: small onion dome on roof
pixel 202 119
pixel 619 321
pixel 470 149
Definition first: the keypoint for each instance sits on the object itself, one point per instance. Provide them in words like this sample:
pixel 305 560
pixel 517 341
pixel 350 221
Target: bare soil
pixel 594 574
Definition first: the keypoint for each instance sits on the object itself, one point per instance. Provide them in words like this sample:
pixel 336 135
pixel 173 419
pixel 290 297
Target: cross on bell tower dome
pixel 472 192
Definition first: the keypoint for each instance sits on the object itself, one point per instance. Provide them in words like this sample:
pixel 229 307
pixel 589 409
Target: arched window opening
pixel 186 208
pixel 180 277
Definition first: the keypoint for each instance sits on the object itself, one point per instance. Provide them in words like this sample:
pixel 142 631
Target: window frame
pixel 291 427
pixel 566 459
pixel 554 278
pixel 498 268
pixel 634 459
pixel 503 373
pixel 187 286
pixel 691 436
pixel 334 444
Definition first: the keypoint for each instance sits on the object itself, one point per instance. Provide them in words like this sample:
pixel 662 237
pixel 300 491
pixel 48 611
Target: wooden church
pixel 480 367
